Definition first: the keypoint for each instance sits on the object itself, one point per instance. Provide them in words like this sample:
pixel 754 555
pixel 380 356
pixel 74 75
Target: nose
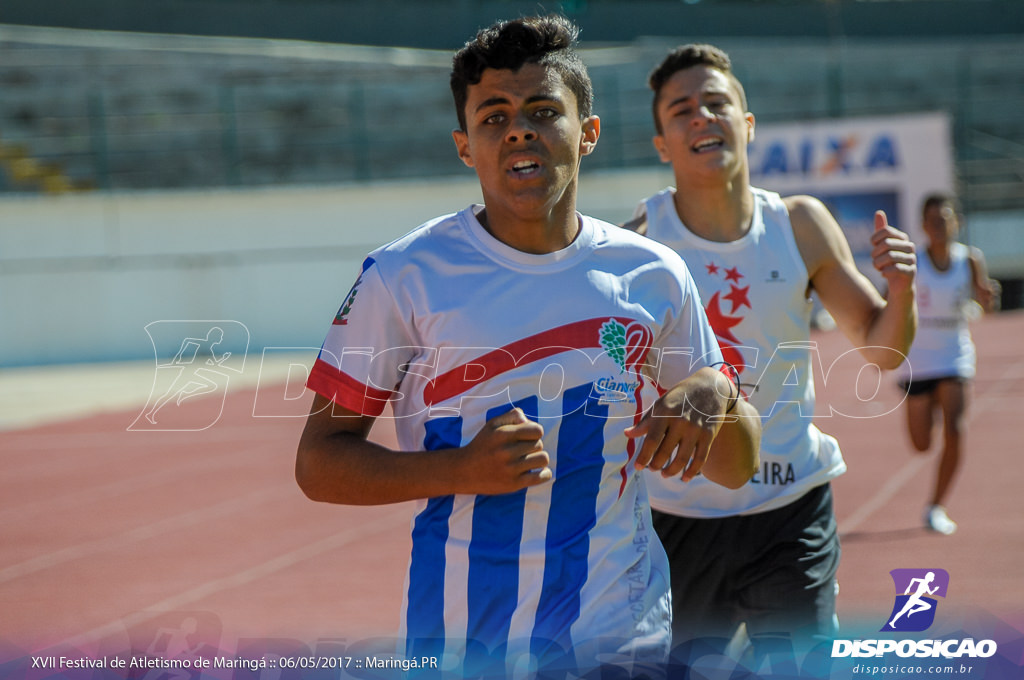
pixel 702 115
pixel 520 130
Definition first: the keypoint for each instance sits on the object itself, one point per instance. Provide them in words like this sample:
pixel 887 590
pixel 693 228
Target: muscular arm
pixel 881 328
pixel 685 432
pixel 734 458
pixel 985 290
pixel 336 464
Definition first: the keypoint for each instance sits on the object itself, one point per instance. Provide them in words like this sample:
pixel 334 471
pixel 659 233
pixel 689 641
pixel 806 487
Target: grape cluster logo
pixel 915 605
pixel 626 345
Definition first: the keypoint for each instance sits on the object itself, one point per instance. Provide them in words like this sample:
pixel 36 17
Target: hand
pixel 989 295
pixel 684 421
pixel 506 455
pixel 893 254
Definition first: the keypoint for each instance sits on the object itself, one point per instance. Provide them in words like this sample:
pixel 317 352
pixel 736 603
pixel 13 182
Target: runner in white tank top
pixel 765 556
pixel 941 361
pixel 754 293
pixel 943 347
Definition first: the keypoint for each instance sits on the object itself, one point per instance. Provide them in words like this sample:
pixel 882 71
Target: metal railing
pixel 124 117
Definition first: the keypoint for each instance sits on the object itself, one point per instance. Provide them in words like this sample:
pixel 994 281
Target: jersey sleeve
pixel 359 365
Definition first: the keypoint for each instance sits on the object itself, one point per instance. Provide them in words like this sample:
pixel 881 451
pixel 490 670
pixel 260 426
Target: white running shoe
pixel 936 519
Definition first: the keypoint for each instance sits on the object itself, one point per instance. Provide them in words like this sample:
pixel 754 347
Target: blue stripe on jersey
pixel 425 615
pixel 493 581
pixel 572 516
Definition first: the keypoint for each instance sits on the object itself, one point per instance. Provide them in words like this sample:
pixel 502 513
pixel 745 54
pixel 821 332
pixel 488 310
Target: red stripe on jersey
pixel 631 442
pixel 578 335
pixel 345 391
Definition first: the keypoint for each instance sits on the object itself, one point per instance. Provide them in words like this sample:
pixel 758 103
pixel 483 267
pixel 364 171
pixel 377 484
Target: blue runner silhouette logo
pixel 916 590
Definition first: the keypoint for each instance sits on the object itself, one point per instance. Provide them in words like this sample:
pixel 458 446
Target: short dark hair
pixel 688 56
pixel 547 40
pixel 935 200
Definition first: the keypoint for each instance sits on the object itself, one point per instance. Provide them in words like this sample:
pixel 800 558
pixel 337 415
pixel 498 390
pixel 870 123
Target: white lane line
pixel 142 533
pixel 75 501
pixel 884 494
pixel 388 523
pixel 1009 377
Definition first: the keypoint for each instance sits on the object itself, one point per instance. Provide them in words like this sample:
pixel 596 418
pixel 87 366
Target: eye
pixel 717 103
pixel 546 113
pixel 493 119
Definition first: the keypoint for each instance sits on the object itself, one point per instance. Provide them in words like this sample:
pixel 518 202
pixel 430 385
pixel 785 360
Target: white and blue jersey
pixel 453 327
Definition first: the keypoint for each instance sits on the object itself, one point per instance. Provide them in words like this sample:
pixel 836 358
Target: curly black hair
pixel 547 40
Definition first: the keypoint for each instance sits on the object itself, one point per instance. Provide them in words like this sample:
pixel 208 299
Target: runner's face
pixel 524 138
pixel 704 126
pixel 941 224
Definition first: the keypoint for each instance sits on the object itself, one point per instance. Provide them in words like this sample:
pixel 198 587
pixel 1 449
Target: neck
pixel 939 254
pixel 537 235
pixel 715 211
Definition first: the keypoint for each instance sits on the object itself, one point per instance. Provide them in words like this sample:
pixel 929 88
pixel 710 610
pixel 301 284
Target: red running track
pixel 111 535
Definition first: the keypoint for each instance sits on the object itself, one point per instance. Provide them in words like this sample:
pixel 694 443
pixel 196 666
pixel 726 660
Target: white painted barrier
pixel 82 275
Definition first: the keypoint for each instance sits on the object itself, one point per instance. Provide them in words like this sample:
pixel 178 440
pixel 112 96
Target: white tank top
pixel 942 347
pixel 754 292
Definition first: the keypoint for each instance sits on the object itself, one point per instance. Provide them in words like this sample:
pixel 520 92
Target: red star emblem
pixel 733 356
pixel 712 268
pixel 738 297
pixel 721 323
pixel 733 274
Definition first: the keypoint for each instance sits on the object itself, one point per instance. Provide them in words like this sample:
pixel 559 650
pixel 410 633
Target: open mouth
pixel 525 168
pixel 708 144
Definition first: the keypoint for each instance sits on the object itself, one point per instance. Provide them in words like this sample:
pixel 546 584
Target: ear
pixel 750 127
pixel 591 133
pixel 462 147
pixel 659 145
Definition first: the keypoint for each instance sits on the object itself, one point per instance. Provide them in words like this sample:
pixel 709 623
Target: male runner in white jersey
pixel 764 555
pixel 523 347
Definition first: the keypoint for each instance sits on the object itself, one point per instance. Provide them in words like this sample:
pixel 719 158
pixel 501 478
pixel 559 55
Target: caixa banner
pixel 857 166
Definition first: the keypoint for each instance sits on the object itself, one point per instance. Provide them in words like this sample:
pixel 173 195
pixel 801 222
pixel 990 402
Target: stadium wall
pixel 81 275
